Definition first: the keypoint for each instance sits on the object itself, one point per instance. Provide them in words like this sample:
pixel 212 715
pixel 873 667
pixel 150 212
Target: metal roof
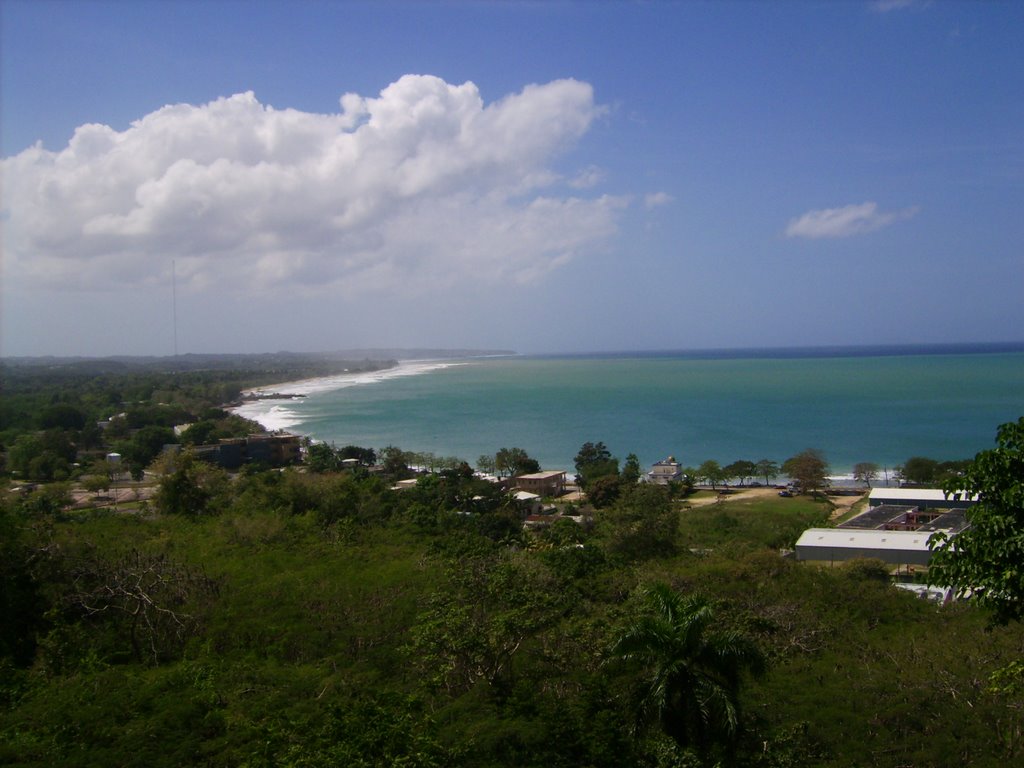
pixel 912 495
pixel 545 475
pixel 848 538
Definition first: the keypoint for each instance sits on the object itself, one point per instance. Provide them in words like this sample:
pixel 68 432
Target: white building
pixel 839 544
pixel 928 498
pixel 665 472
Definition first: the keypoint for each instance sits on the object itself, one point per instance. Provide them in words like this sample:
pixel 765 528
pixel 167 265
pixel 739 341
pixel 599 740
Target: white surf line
pixel 274 414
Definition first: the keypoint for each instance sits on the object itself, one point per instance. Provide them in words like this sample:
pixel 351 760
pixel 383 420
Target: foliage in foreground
pixel 322 619
pixel 987 559
pixel 691 674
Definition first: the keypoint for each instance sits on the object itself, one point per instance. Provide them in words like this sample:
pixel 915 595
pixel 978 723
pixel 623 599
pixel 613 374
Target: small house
pixel 665 472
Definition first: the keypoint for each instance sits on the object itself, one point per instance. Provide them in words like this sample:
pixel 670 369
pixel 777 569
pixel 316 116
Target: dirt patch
pixel 82 499
pixel 841 504
pixel 733 494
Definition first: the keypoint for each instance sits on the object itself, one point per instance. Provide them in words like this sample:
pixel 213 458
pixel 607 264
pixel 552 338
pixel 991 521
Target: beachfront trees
pixel 711 472
pixel 986 558
pixel 865 472
pixel 767 469
pixel 631 470
pixel 486 464
pixel 919 470
pixel 687 481
pixel 594 460
pixel 365 456
pixel 514 461
pixel 395 461
pixel 691 674
pixel 741 470
pixel 808 469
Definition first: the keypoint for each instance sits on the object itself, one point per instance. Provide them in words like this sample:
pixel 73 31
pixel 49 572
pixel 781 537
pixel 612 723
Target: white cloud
pixel 587 178
pixel 845 222
pixel 423 186
pixel 657 199
pixel 884 6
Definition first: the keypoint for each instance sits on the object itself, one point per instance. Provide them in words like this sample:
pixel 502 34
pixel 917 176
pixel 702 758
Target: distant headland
pixel 319 363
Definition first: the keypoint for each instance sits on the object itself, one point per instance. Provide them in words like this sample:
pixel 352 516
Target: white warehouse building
pixel 929 498
pixel 840 544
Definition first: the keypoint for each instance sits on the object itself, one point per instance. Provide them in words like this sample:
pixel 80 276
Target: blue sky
pixel 539 176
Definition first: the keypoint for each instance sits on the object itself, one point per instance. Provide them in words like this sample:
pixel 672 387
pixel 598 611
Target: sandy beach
pixel 275 413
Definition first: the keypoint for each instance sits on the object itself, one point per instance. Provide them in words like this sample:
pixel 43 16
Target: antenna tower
pixel 174 303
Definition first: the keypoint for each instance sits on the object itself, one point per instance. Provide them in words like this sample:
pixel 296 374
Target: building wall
pixel 842 554
pixel 932 498
pixel 273 450
pixel 541 483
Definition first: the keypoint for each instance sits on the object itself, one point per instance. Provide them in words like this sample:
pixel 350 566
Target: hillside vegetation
pixel 322 619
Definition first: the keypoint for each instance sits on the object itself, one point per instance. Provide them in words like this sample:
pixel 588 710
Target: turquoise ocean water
pixel 868 405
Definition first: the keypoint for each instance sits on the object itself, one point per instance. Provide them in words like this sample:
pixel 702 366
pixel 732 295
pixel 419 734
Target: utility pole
pixel 174 304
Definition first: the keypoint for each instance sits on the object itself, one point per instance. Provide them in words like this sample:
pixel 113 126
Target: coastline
pixel 268 405
pixel 881 409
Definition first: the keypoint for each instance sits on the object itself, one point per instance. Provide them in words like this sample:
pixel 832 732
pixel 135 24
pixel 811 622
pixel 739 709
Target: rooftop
pixel 907 518
pixel 915 495
pixel 867 539
pixel 546 475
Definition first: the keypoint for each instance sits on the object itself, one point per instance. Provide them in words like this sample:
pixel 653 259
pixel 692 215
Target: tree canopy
pixel 919 470
pixel 300 618
pixel 808 469
pixel 987 559
pixel 767 469
pixel 692 673
pixel 712 473
pixel 515 461
pixel 594 461
pixel 740 470
pixel 631 471
pixel 865 471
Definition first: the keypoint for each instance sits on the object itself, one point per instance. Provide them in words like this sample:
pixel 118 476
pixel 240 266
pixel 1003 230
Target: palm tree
pixel 691 674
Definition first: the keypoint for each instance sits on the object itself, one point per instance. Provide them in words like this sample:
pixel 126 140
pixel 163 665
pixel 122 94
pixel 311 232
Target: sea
pixel 854 404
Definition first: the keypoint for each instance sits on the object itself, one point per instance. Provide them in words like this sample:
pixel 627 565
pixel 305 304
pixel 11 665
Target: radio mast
pixel 174 303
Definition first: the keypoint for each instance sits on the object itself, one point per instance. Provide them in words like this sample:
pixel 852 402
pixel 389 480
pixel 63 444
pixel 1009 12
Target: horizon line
pixel 897 348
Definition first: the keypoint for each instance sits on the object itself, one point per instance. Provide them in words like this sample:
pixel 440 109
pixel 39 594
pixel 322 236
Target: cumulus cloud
pixel 423 185
pixel 845 222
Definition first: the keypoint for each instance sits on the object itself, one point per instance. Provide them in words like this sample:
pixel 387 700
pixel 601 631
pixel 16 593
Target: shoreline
pixel 267 405
pixel 693 410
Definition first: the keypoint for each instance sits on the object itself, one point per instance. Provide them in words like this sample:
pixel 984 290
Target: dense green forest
pixel 301 618
pixel 51 408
